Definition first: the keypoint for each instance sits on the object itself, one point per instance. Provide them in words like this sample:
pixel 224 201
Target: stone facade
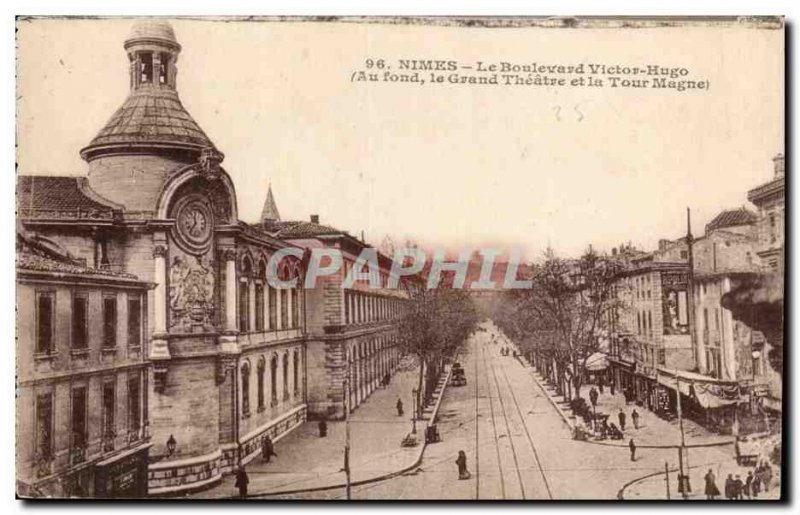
pixel 158 204
pixel 82 378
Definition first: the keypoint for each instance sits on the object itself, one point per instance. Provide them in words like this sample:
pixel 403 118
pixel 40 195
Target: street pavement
pixel 518 446
pixel 306 461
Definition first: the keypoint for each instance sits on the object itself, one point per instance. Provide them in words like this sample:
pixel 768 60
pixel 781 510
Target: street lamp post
pixel 346 391
pixel 414 401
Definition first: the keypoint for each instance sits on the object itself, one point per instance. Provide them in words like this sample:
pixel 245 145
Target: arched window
pixel 296 372
pixel 262 365
pixel 244 294
pixel 273 380
pixel 245 390
pixel 286 376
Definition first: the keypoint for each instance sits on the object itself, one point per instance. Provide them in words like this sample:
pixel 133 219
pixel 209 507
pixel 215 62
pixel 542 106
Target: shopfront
pixel 123 476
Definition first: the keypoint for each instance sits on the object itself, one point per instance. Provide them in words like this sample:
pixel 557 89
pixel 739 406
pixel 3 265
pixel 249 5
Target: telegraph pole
pixel 692 336
pixel 346 390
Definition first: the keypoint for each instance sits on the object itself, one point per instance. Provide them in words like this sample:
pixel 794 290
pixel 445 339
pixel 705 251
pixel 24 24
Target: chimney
pixel 614 251
pixel 779 165
pixel 314 219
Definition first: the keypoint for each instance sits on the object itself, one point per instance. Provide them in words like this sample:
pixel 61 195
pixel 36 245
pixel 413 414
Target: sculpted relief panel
pixel 191 268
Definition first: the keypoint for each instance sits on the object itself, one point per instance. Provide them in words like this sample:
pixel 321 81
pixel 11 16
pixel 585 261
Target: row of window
pixel 644 323
pixel 364 307
pixel 79 321
pixel 78 422
pixel 274 308
pixel 273 377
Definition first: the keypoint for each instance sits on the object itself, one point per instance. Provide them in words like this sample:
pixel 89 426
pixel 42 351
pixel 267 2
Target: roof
pixel 34 257
pixel 149 29
pixel 33 262
pixel 270 210
pixel 300 229
pixel 732 218
pixel 150 116
pixel 61 197
pixel 774 187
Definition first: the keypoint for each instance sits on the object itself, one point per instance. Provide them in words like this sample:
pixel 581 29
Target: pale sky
pixel 447 164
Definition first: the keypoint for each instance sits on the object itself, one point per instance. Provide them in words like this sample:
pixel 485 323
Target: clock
pixel 193 224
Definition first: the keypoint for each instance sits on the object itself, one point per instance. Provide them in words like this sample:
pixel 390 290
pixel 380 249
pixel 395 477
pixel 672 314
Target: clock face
pixel 194 224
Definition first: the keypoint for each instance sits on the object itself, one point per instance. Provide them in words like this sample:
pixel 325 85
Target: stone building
pixel 82 376
pixel 352 336
pixel 770 199
pixel 651 331
pixel 227 349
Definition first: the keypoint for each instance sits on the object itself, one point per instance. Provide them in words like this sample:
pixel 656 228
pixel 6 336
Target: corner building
pixel 226 354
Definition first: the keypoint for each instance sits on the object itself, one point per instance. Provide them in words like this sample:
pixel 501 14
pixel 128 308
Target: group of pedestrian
pixel 737 489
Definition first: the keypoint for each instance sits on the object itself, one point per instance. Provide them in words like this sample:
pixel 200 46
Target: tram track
pixel 527 433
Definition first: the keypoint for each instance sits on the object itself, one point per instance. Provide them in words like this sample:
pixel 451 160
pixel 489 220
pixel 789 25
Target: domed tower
pixel 151 135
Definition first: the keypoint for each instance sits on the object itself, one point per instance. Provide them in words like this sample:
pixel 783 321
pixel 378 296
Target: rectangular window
pixel 683 311
pixel 346 307
pixel 44 426
pixel 79 417
pixel 109 322
pixel 134 405
pixel 259 307
pixel 135 321
pixel 244 307
pixel 284 309
pixel 273 307
pixel 109 406
pixel 44 323
pixel 80 311
pixel 296 307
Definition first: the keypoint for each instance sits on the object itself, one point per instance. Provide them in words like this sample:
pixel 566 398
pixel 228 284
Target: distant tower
pixel 270 213
pixel 151 134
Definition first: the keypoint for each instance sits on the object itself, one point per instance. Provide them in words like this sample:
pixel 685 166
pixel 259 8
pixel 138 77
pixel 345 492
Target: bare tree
pixel 433 327
pixel 571 299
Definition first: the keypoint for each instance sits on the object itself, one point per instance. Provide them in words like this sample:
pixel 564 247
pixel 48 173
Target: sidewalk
pixel 653 431
pixel 306 461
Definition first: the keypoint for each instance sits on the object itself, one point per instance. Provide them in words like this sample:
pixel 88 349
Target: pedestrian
pixel 241 482
pixel 756 484
pixel 593 396
pixel 601 384
pixel 635 418
pixel 621 417
pixel 267 448
pixel 766 477
pixel 632 446
pixel 461 461
pixel 711 486
pixel 748 483
pixel 729 487
pixel 323 428
pixel 738 488
pixel 399 407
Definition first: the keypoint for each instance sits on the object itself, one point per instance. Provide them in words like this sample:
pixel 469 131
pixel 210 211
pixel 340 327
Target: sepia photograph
pixel 408 258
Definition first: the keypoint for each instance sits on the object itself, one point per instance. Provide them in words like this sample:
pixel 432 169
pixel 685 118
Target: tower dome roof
pixel 152 119
pixel 149 29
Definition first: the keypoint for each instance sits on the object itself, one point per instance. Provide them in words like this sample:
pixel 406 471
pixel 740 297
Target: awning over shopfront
pixel 596 362
pixel 709 392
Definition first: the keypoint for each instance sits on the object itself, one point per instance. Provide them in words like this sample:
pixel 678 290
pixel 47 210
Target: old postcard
pixel 365 258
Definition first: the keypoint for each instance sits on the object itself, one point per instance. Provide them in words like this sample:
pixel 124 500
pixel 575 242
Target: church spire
pixel 270 211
